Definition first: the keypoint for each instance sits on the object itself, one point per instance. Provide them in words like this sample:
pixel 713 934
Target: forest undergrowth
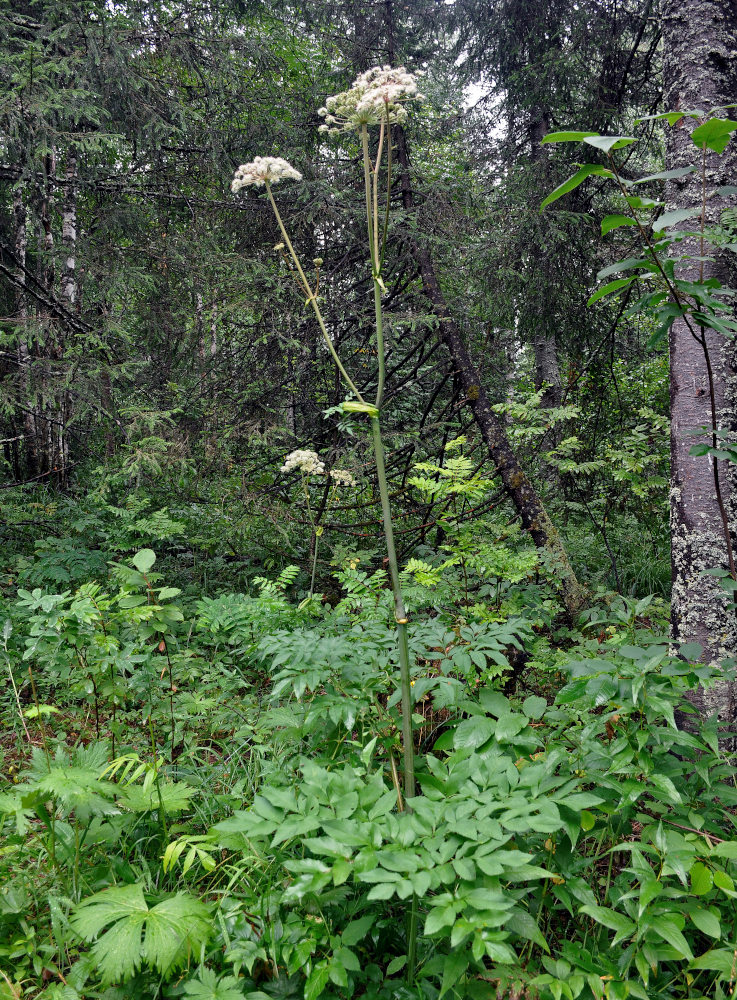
pixel 411 726
pixel 201 795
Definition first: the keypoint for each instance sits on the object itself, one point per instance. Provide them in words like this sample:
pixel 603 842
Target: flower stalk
pixel 378 97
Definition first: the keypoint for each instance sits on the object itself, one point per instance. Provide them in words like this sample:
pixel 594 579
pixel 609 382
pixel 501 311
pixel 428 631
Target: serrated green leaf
pixel 439 917
pixel 356 930
pixel 723 881
pixel 664 784
pixel 166 593
pixel 493 702
pixel 509 726
pixel 382 890
pixel 727 849
pixel 396 965
pixel 522 923
pixel 534 706
pixel 128 934
pixel 207 986
pixel 317 981
pixel 175 797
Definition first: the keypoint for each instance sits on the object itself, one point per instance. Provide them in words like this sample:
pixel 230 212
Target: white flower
pixel 264 169
pixel 376 95
pixel 307 462
pixel 342 477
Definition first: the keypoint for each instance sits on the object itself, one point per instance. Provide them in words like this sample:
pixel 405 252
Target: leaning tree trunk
pixel 700 71
pixel 520 490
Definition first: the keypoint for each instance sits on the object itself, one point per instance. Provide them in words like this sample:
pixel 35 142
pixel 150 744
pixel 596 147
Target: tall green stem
pixel 314 564
pixel 399 613
pixel 375 172
pixel 312 299
pixel 367 192
pixel 379 344
pixel 371 176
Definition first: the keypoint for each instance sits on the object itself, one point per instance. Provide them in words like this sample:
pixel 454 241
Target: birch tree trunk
pixel 700 71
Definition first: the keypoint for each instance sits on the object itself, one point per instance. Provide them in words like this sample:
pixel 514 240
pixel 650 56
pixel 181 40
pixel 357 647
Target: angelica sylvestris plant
pixel 309 464
pixel 378 98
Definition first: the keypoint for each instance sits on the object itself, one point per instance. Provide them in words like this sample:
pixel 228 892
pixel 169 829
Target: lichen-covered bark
pixel 530 508
pixel 700 71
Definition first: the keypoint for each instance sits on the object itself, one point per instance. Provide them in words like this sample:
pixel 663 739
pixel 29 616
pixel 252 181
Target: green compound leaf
pixel 353 406
pixel 128 934
pixel 207 986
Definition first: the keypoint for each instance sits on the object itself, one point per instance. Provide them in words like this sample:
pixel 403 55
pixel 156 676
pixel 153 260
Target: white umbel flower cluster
pixel 342 477
pixel 264 169
pixel 377 95
pixel 308 462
